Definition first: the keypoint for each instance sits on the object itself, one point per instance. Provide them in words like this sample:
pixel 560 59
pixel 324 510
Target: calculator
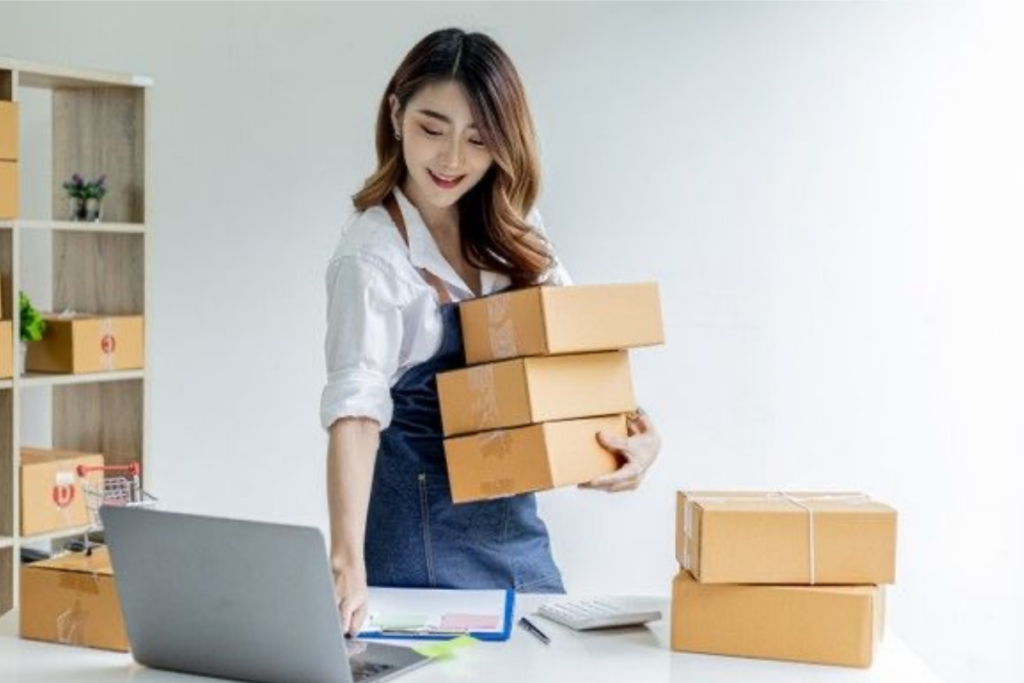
pixel 587 615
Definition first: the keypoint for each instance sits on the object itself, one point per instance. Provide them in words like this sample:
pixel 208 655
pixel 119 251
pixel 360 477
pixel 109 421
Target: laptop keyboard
pixel 364 671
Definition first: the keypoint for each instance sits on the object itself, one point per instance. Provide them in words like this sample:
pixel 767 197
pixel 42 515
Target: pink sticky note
pixel 469 621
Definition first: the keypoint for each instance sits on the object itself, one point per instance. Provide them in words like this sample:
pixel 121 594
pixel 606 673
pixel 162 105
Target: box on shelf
pixel 88 343
pixel 8 131
pixel 820 624
pixel 524 391
pixel 538 457
pixel 785 538
pixel 542 321
pixel 6 349
pixel 8 190
pixel 72 599
pixel 51 491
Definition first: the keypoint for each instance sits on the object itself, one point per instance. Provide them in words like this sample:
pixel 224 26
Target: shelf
pixel 93 123
pixel 33 75
pixel 34 379
pixel 60 533
pixel 74 226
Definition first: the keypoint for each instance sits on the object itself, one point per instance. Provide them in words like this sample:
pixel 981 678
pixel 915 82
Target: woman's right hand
pixel 352 595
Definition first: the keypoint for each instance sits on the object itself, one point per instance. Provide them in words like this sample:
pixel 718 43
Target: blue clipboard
pixel 419 613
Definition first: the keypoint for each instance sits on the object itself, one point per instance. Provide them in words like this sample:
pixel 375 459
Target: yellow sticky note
pixel 445 648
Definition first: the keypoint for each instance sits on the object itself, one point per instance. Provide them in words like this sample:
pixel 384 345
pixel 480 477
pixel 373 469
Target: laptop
pixel 235 599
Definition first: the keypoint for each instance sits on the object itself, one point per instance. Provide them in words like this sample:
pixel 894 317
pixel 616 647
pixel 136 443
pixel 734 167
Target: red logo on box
pixel 63 494
pixel 108 344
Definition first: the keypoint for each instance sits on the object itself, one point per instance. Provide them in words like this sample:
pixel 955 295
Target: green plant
pixel 78 188
pixel 33 327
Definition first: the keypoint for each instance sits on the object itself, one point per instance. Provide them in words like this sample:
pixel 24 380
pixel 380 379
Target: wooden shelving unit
pixel 98 124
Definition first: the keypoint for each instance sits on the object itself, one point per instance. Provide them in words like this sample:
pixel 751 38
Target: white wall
pixel 830 195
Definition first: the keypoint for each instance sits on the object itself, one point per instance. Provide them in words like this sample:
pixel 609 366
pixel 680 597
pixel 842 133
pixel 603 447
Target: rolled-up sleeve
pixel 364 337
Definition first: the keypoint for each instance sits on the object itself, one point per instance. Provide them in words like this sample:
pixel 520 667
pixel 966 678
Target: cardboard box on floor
pixel 6 349
pixel 88 343
pixel 538 457
pixel 51 491
pixel 531 390
pixel 543 321
pixel 765 537
pixel 72 599
pixel 8 190
pixel 8 131
pixel 819 624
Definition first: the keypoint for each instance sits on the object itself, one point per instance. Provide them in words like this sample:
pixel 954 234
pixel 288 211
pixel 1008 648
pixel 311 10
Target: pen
pixel 540 635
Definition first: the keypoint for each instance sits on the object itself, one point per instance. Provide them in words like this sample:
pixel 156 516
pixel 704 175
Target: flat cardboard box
pixel 525 391
pixel 544 321
pixel 51 490
pixel 8 131
pixel 503 463
pixel 6 349
pixel 88 343
pixel 765 537
pixel 819 624
pixel 72 599
pixel 8 190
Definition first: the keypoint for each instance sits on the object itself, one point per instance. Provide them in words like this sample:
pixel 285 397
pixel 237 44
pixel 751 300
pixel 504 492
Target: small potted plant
pixel 33 327
pixel 86 197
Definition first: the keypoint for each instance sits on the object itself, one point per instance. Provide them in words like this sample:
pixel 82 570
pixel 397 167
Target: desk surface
pixel 614 656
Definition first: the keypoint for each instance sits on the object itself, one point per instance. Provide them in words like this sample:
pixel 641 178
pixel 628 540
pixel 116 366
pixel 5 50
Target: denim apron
pixel 415 535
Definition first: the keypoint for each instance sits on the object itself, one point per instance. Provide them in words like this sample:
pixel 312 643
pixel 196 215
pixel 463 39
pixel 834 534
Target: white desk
pixel 621 656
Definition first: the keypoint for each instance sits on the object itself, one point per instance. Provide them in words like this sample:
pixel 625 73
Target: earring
pixel 398 136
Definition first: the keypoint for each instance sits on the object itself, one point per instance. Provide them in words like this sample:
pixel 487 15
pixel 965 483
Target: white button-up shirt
pixel 382 316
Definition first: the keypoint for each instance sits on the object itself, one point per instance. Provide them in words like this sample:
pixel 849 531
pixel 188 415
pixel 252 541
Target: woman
pixel 446 216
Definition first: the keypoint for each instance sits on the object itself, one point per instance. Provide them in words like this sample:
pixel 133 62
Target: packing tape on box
pixel 71 622
pixel 69 626
pixel 108 343
pixel 495 447
pixel 484 404
pixel 500 328
pixel 799 501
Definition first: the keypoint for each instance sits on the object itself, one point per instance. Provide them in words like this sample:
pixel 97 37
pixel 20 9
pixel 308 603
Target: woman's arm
pixel 351 455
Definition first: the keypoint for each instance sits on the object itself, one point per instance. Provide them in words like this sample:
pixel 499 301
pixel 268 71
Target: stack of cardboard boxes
pixel 547 371
pixel 71 598
pixel 8 160
pixel 795 576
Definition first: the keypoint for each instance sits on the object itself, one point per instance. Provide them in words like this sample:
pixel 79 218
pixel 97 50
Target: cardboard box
pixel 88 343
pixel 8 190
pixel 8 131
pixel 72 599
pixel 51 493
pixel 766 537
pixel 820 624
pixel 529 390
pixel 6 349
pixel 535 458
pixel 543 321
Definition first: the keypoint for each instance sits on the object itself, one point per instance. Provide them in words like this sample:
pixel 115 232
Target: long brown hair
pixel 492 215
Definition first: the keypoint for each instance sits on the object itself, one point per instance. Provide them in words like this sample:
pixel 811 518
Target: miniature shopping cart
pixel 121 486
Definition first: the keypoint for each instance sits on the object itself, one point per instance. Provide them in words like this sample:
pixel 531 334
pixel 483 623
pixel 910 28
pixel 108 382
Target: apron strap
pixel 391 205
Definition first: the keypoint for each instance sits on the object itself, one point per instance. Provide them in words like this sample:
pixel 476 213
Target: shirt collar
pixel 424 253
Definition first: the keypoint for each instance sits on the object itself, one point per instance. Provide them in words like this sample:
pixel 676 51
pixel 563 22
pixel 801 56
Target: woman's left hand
pixel 639 451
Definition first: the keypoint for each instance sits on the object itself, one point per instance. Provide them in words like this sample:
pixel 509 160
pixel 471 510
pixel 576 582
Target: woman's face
pixel 443 150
